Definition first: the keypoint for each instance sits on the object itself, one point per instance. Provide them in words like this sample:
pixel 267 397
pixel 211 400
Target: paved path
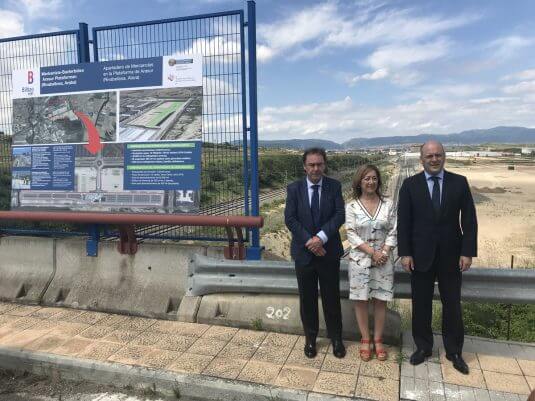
pixel 261 359
pixel 499 371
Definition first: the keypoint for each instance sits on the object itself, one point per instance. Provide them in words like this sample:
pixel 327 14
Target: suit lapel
pixel 446 187
pixel 323 198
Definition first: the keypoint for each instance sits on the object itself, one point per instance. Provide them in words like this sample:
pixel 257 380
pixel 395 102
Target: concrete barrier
pixel 281 313
pixel 26 268
pixel 150 283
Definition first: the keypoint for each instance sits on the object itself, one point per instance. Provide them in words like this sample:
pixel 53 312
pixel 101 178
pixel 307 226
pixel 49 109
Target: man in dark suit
pixel 314 213
pixel 437 238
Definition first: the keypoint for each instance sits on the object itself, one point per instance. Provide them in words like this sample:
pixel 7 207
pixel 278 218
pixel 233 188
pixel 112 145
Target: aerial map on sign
pixel 57 119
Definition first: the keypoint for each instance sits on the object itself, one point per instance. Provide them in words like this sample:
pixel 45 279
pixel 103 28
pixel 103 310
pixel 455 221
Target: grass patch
pixel 480 319
pixel 257 324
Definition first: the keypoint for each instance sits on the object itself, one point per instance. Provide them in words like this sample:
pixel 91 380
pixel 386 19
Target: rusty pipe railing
pixel 126 222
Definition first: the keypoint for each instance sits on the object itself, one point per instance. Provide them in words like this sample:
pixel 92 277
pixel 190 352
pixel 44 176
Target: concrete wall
pixel 57 272
pixel 26 268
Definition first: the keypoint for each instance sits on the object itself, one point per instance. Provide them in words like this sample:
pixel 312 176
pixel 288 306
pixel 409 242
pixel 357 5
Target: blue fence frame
pixel 230 163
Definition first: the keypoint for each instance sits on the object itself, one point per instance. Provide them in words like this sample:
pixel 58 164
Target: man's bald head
pixel 432 157
pixel 431 143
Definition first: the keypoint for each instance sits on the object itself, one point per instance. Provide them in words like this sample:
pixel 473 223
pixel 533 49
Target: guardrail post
pixel 254 252
pixel 94 238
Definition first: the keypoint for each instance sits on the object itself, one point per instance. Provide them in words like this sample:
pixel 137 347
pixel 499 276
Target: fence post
pixel 254 252
pixel 245 146
pixel 83 43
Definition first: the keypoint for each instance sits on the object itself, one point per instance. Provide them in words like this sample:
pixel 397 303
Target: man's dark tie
pixel 435 196
pixel 315 206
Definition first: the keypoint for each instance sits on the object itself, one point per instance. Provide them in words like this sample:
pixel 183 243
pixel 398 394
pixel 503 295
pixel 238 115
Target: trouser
pixel 327 272
pixel 449 284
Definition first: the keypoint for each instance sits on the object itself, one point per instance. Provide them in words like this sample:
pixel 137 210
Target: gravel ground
pixel 15 386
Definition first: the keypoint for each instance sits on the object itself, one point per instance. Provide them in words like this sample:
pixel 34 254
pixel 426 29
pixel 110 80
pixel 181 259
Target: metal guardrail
pixel 210 276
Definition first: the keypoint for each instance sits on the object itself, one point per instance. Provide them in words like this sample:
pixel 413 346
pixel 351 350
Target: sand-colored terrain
pixel 505 204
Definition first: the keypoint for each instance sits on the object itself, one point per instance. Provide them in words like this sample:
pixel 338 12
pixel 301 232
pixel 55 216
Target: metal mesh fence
pixel 19 53
pixel 219 38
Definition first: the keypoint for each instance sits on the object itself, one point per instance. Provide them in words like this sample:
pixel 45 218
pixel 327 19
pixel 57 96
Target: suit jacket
pixel 298 219
pixel 422 232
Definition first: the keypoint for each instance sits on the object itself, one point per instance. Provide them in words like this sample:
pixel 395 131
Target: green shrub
pixel 491 320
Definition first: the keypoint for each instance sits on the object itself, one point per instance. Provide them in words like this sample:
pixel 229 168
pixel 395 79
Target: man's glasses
pixel 434 156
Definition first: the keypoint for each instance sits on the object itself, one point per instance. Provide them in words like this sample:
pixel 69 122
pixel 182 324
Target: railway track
pixel 234 206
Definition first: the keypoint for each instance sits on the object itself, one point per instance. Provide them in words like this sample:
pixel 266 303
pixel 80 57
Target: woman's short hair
pixel 359 175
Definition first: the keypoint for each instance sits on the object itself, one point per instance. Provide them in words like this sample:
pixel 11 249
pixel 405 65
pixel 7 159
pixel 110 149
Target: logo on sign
pixel 30 77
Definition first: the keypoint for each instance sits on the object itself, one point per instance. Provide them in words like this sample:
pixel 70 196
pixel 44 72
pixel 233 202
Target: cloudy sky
pixel 343 69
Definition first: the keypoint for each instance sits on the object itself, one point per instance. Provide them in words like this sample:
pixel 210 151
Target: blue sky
pixel 343 69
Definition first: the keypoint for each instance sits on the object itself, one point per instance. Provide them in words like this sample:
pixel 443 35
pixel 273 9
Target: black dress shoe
pixel 419 356
pixel 310 349
pixel 339 350
pixel 458 363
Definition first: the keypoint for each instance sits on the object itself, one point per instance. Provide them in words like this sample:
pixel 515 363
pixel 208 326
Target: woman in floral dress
pixel 371 232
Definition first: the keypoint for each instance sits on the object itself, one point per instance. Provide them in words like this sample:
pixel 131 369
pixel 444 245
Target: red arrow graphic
pixel 94 146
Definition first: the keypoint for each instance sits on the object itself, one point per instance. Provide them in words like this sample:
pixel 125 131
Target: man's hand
pixel 314 244
pixel 464 263
pixel 320 252
pixel 408 263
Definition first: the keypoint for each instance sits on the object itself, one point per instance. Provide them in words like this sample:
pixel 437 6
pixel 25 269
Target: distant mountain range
pixel 506 135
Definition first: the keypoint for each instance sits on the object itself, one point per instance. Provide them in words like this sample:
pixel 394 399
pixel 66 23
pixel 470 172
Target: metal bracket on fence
pixel 93 240
pixel 232 251
pixel 127 239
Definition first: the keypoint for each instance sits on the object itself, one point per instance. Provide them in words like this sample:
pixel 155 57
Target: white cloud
pixel 522 75
pixel 527 87
pixel 264 53
pixel 329 25
pixel 345 119
pixel 381 73
pixel 298 29
pixel 40 9
pixel 490 100
pixel 12 24
pixel 219 48
pixel 457 90
pixel 397 56
pixel 509 46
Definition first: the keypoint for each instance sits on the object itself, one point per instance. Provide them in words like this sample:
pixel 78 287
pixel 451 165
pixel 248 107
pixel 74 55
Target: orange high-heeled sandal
pixel 365 354
pixel 381 353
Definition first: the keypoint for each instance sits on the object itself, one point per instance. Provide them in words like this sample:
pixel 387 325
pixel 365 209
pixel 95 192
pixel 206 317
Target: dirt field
pixel 505 203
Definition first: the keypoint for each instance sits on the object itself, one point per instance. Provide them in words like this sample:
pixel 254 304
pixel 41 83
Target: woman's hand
pixel 379 258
